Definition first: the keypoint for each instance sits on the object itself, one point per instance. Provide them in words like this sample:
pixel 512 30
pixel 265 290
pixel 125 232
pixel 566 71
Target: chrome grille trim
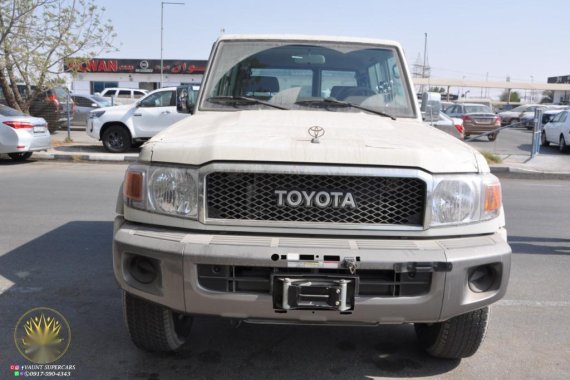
pixel 338 171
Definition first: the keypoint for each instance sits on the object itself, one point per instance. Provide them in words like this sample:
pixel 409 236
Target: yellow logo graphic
pixel 42 335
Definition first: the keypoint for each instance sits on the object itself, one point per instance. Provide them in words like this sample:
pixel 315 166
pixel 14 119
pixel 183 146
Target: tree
pixel 547 96
pixel 37 35
pixel 515 96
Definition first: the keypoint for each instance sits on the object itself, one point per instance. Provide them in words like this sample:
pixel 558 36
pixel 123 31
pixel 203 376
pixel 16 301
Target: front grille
pixel 379 283
pixel 252 196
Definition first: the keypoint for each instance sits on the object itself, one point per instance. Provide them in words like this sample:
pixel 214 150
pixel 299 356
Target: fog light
pixel 482 278
pixel 143 269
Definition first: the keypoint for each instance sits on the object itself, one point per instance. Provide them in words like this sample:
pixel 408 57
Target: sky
pixel 525 40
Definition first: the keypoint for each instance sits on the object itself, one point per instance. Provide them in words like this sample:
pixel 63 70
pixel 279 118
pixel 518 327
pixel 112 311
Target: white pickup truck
pixel 305 188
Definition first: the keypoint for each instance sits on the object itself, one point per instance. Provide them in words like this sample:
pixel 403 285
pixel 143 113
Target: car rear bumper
pixel 180 259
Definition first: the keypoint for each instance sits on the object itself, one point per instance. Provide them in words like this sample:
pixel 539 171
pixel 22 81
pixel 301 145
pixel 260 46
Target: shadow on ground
pixel 70 269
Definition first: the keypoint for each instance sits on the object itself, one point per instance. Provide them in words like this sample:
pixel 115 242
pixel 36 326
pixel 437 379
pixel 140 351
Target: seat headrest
pixel 261 84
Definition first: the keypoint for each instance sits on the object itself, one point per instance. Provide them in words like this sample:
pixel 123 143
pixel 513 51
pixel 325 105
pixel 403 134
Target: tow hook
pixel 350 264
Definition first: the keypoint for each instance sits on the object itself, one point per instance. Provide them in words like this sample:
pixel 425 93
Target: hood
pixel 282 136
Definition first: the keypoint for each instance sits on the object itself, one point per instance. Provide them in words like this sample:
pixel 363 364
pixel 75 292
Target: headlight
pixel 162 189
pixel 95 114
pixel 459 199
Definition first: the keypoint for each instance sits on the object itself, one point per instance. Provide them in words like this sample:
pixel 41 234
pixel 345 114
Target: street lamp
pixel 162 31
pixel 532 90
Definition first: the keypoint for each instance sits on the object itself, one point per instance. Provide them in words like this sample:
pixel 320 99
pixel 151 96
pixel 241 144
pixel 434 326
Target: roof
pixel 306 38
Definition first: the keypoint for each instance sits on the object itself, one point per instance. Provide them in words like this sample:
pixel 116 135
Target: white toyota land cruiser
pixel 305 188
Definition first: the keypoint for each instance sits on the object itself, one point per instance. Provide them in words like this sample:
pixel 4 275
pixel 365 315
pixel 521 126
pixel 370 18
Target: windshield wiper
pixel 242 100
pixel 333 101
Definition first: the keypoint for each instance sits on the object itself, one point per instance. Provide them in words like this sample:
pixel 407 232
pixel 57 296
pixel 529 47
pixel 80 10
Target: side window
pixel 124 94
pixel 138 94
pixel 159 99
pixel 81 101
pixel 563 116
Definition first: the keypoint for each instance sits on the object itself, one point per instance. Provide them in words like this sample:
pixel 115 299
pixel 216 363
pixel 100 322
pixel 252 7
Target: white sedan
pixel 21 134
pixel 557 131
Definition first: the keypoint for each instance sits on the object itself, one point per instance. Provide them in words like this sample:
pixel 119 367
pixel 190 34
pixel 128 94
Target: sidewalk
pixel 85 148
pixel 81 148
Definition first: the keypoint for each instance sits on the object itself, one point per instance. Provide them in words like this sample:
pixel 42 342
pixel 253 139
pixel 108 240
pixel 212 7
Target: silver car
pixel 85 104
pixel 21 134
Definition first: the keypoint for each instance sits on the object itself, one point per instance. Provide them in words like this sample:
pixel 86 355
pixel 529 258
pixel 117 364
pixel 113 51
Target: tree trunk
pixel 7 90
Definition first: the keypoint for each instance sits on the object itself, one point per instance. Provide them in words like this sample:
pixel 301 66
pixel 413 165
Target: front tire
pixel 153 327
pixel 543 140
pixel 20 156
pixel 562 144
pixel 458 337
pixel 492 136
pixel 117 139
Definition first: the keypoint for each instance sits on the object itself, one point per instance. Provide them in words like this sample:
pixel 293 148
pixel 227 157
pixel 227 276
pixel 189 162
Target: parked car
pixel 21 134
pixel 51 105
pixel 515 115
pixel 85 104
pixel 123 95
pixel 477 119
pixel 527 119
pixel 122 127
pixel 453 126
pixel 557 131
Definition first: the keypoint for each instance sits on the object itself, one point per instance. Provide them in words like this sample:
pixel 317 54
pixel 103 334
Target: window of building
pixel 100 86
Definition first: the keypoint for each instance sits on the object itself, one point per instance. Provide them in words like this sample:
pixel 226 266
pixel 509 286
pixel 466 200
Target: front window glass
pixel 159 99
pixel 295 75
pixel 519 109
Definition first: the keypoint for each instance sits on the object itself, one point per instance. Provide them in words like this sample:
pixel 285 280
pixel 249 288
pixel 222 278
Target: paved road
pixel 55 242
pixel 513 141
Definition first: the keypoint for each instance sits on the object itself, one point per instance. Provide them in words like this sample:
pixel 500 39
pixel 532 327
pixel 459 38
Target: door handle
pixel 137 114
pixel 165 112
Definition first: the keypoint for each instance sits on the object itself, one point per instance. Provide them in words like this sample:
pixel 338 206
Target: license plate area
pixel 39 129
pixel 314 293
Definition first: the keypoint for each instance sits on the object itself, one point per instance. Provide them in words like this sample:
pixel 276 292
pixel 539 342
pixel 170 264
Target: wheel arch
pixel 111 124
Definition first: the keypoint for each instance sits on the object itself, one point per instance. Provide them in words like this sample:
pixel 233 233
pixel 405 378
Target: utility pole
pixel 162 33
pixel 424 65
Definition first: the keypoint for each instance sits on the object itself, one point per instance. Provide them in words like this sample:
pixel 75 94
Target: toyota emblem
pixel 315 133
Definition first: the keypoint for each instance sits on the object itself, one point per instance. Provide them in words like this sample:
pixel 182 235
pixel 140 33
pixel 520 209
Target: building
pixel 560 97
pixel 93 75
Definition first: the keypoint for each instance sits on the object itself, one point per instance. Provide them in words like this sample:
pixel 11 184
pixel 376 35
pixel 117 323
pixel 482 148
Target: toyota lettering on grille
pixel 321 199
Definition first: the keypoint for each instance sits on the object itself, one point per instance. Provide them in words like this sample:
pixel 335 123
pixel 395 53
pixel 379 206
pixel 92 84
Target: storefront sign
pixel 132 66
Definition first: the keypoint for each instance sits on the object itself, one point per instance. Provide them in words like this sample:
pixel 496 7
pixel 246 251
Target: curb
pixel 106 158
pixel 517 173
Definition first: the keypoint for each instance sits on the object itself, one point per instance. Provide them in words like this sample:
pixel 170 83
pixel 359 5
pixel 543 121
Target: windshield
pixel 520 109
pixel 104 102
pixel 477 109
pixel 298 76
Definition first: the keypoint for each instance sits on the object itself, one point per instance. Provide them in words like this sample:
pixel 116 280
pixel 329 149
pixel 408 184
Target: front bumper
pixel 178 255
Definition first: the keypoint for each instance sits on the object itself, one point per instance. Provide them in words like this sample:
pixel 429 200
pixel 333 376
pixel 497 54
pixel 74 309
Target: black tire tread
pixel 150 326
pixel 458 337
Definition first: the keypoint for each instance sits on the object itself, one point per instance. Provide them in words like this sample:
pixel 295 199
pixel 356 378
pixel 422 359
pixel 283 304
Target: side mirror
pixel 431 105
pixel 137 104
pixel 186 98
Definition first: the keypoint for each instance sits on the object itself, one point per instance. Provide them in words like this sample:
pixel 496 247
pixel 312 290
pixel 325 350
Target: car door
pixel 156 112
pixel 553 128
pixel 83 106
